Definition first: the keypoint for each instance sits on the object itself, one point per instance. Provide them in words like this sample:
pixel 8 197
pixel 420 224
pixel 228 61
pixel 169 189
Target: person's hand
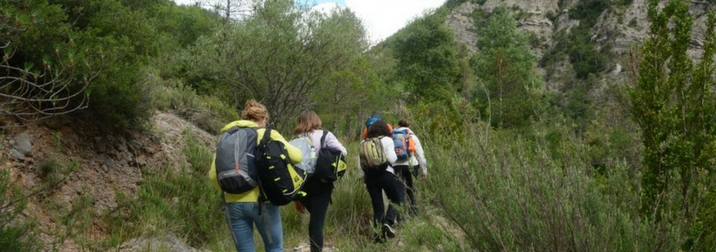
pixel 299 206
pixel 423 176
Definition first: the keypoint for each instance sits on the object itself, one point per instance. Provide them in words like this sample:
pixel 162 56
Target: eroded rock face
pixel 462 24
pixel 104 166
pixel 619 29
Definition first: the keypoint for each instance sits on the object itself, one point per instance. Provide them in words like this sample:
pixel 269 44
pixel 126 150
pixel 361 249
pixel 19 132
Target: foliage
pixel 16 233
pixel 499 191
pixel 279 55
pixel 207 112
pixel 41 79
pixel 588 11
pixel 89 52
pixel 673 103
pixel 184 24
pixel 178 200
pixel 510 94
pixel 576 43
pixel 427 64
pixel 345 94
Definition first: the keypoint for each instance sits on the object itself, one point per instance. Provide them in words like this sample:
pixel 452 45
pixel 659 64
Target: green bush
pixel 500 191
pixel 178 200
pixel 17 233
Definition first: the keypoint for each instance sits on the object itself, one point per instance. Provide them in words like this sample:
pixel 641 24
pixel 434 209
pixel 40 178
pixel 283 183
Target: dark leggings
pixel 394 189
pixel 406 175
pixel 318 197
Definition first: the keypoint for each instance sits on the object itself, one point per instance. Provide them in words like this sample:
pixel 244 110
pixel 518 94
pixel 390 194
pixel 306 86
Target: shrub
pixel 17 233
pixel 502 191
pixel 179 201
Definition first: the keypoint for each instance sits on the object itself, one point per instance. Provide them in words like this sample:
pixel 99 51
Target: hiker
pixel 379 175
pixel 415 160
pixel 318 191
pixel 243 209
pixel 368 122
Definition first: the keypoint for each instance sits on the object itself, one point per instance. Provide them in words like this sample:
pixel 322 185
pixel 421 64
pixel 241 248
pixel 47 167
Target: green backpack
pixel 372 155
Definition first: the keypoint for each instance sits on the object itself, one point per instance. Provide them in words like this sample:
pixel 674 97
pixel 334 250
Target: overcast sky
pixel 381 18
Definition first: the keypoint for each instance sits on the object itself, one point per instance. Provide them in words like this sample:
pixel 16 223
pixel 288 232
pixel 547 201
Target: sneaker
pixel 388 231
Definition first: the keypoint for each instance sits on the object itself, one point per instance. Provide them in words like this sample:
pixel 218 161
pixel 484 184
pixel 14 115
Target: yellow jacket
pixel 294 154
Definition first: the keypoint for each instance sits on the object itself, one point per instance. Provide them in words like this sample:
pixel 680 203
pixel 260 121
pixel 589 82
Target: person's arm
pixel 294 153
pixel 360 170
pixel 420 155
pixel 332 142
pixel 212 174
pixel 389 149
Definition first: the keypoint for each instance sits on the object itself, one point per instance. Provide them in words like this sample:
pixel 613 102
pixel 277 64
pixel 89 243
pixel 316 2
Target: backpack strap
pixel 267 134
pixel 323 138
pixel 262 144
pixel 262 195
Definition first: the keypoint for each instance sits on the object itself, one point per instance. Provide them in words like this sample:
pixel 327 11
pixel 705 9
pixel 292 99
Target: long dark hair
pixel 379 128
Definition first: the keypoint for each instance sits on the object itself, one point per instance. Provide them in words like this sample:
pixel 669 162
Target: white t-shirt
pixel 419 156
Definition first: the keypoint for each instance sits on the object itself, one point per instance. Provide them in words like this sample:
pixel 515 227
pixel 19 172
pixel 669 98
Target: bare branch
pixel 30 95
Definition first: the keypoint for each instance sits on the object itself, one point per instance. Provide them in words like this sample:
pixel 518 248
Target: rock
pixel 101 144
pixel 23 144
pixel 170 243
pixel 56 122
pixel 109 163
pixel 16 154
pixel 30 180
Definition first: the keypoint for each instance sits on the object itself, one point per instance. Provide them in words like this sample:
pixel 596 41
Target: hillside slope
pixel 106 165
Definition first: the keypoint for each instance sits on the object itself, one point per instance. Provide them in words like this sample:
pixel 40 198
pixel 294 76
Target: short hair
pixel 379 128
pixel 308 120
pixel 403 123
pixel 254 111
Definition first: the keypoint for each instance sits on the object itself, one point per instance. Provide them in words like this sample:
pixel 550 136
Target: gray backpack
pixel 305 144
pixel 235 168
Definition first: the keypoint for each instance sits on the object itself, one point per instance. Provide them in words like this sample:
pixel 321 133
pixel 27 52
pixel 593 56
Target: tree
pixel 280 55
pixel 348 93
pixel 230 9
pixel 674 104
pixel 31 94
pixel 427 63
pixel 510 94
pixel 43 70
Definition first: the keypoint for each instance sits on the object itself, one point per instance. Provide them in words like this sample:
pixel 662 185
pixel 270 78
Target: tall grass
pixel 177 201
pixel 501 191
pixel 486 191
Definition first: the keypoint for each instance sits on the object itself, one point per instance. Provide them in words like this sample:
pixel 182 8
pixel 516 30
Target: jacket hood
pixel 240 124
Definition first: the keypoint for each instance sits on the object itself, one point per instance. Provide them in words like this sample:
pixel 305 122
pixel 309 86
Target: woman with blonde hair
pixel 318 192
pixel 243 210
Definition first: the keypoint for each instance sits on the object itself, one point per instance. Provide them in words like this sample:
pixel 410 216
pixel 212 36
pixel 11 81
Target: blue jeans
pixel 241 218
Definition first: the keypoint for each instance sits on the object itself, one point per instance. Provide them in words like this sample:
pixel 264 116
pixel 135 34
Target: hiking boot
pixel 388 231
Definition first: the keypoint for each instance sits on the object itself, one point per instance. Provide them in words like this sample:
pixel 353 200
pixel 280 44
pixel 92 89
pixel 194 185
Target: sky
pixel 381 18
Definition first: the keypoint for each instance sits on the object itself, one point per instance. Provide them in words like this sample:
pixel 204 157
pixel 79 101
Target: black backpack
pixel 234 160
pixel 331 163
pixel 280 182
